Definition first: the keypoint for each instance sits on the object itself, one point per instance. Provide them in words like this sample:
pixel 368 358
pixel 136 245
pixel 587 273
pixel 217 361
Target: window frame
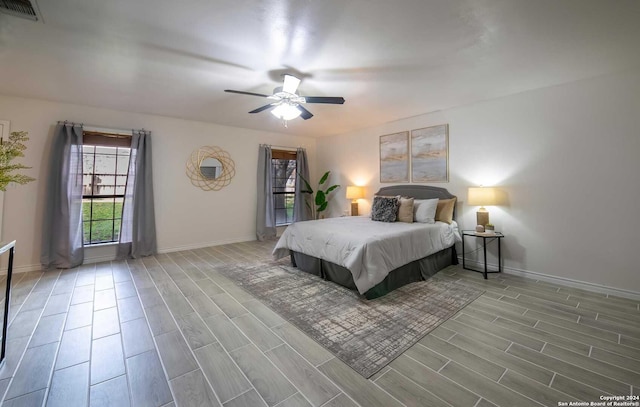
pixel 117 141
pixel 282 155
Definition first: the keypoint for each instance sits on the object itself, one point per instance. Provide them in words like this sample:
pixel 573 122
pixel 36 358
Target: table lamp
pixel 354 193
pixel 481 196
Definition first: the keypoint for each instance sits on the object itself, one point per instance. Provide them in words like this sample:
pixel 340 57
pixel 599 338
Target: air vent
pixel 20 8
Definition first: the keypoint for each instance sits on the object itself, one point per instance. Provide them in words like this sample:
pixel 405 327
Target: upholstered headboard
pixel 418 192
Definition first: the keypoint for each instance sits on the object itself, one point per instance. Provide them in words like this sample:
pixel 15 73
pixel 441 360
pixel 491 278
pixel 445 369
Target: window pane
pixel 101 231
pixel 86 184
pixel 104 184
pixel 284 175
pixel 86 209
pixel 118 209
pixel 283 205
pixel 278 201
pixel 121 182
pixel 281 217
pixel 106 150
pixel 123 162
pixel 289 207
pixel 116 231
pixel 87 163
pixel 291 181
pixel 103 209
pixel 105 164
pixel 86 228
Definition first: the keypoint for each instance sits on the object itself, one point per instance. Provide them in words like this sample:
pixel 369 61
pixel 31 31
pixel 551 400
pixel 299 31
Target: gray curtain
pixel 301 208
pixel 62 238
pixel 265 215
pixel 138 231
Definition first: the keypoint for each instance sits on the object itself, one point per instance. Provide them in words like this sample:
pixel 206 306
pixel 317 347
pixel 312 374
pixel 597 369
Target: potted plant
pixel 321 198
pixel 10 149
pixel 489 228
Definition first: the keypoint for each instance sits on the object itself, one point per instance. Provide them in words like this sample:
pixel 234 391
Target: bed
pixel 364 255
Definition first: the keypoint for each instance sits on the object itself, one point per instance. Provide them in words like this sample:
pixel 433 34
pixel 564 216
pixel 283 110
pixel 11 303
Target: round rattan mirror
pixel 210 168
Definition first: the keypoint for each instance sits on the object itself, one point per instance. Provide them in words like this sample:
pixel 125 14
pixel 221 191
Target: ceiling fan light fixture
pixel 286 112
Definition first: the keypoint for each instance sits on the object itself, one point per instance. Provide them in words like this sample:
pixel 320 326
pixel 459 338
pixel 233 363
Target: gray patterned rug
pixel 365 334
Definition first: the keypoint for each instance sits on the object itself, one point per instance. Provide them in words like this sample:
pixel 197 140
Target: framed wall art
pixel 394 157
pixel 430 154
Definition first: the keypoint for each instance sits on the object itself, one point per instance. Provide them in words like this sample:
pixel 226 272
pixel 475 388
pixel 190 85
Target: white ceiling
pixel 388 59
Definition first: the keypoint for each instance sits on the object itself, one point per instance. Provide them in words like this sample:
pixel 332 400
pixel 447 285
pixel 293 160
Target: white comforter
pixel 370 250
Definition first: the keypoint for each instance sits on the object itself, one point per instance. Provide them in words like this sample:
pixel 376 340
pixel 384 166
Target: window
pixel 284 185
pixel 105 166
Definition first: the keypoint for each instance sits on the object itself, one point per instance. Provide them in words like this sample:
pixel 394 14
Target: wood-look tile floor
pixel 171 331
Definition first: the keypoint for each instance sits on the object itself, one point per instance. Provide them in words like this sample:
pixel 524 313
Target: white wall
pixel 568 158
pixel 186 216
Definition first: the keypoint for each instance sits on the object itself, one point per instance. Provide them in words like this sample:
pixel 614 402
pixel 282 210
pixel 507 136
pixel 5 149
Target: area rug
pixel 365 334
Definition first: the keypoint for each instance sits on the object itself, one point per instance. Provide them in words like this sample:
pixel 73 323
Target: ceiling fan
pixel 287 104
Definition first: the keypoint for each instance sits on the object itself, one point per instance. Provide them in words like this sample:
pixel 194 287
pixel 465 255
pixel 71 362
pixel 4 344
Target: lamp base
pixel 482 218
pixel 354 208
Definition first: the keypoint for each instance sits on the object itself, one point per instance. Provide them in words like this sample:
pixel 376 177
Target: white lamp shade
pixel 355 192
pixel 481 196
pixel 286 112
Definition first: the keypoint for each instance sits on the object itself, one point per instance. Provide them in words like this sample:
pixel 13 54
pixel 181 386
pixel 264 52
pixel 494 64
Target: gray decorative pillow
pixel 385 208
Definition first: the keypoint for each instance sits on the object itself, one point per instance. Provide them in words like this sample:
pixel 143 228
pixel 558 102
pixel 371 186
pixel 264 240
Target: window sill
pixel 101 245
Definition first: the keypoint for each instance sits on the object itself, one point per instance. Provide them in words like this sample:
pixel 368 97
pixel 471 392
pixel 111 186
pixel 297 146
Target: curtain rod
pixel 98 129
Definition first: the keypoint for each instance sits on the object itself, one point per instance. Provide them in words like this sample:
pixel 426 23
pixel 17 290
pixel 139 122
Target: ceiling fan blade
pixel 262 109
pixel 324 99
pixel 246 93
pixel 290 84
pixel 306 115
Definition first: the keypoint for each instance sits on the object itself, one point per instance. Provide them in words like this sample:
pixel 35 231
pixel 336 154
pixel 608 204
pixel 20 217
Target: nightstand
pixel 492 237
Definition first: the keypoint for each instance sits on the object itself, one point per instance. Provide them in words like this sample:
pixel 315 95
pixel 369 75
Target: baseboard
pixel 98 259
pixel 207 244
pixel 583 285
pixel 23 269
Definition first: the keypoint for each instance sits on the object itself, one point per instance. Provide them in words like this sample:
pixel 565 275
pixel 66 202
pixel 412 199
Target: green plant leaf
pixel 308 189
pixel 331 188
pixel 324 178
pixel 323 206
pixel 320 198
pixel 11 148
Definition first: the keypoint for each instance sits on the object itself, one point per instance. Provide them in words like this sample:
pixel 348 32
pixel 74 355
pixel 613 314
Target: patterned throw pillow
pixel 385 208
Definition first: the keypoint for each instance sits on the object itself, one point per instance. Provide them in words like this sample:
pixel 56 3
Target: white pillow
pixel 424 210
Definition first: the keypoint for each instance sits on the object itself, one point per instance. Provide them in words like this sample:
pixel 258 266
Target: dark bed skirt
pixel 417 270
